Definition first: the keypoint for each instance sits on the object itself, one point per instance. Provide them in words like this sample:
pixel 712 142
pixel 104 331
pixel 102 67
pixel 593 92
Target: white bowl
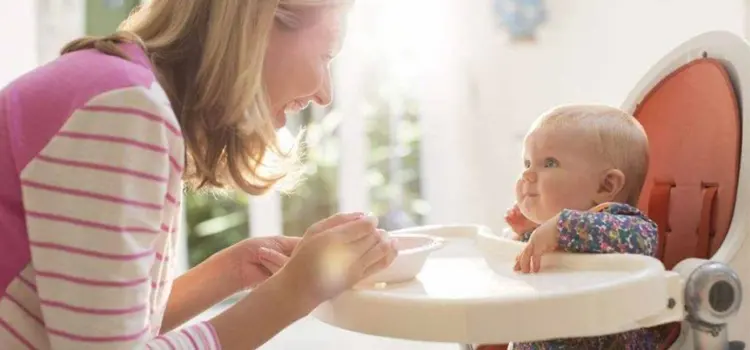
pixel 413 250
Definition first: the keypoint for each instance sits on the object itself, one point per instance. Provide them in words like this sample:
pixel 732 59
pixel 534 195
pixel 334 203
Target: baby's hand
pixel 519 223
pixel 542 241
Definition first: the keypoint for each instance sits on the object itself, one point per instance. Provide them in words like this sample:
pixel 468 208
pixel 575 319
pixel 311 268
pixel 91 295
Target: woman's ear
pixel 611 185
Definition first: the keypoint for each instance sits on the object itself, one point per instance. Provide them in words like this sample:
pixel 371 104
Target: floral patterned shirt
pixel 606 228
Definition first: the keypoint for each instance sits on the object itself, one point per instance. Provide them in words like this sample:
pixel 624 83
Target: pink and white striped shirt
pixel 91 156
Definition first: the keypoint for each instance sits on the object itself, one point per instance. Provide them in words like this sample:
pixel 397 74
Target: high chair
pixel 698 192
pixel 690 104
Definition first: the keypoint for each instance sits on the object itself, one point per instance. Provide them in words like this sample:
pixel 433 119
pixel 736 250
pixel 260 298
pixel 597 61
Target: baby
pixel 585 166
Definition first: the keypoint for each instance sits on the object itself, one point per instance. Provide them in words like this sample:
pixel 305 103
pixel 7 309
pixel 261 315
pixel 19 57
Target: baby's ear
pixel 611 185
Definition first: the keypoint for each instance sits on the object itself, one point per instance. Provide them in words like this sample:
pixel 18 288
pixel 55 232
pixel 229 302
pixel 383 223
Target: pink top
pixel 91 156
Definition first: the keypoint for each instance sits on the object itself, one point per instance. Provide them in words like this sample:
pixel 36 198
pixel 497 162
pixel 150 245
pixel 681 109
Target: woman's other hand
pixel 252 261
pixel 246 260
pixel 334 254
pixel 273 258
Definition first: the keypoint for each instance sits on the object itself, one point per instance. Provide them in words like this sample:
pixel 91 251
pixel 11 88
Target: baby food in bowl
pixel 413 251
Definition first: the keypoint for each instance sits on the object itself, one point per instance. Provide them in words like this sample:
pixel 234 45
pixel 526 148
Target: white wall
pixel 18 35
pixel 33 32
pixel 449 165
pixel 60 21
pixel 587 51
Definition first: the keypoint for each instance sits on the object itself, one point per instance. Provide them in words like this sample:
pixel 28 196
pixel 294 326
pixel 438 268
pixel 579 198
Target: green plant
pixel 214 222
pixel 316 197
pixel 395 192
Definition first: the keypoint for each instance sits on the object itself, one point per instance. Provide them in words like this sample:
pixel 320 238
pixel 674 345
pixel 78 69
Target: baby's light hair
pixel 618 138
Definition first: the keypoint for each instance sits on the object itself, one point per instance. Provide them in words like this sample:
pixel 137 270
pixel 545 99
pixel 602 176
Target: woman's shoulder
pixel 41 103
pixel 76 77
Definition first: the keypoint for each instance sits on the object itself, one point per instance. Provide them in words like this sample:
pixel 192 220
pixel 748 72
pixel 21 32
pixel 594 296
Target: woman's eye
pixel 551 163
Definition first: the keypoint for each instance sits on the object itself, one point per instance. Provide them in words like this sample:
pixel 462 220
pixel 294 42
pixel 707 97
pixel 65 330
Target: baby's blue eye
pixel 526 164
pixel 551 163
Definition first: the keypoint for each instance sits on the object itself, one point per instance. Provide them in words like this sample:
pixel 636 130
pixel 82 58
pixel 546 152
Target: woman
pixel 93 151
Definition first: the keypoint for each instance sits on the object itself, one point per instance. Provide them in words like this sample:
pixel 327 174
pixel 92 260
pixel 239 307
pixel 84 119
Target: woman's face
pixel 296 70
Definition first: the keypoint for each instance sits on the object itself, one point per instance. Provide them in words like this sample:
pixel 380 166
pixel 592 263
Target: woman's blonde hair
pixel 208 56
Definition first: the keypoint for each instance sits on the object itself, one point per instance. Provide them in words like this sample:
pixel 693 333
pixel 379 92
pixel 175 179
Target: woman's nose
pixel 324 95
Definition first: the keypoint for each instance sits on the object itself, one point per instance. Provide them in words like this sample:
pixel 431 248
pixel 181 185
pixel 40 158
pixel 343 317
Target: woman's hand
pixel 223 274
pixel 248 260
pixel 335 254
pixel 274 260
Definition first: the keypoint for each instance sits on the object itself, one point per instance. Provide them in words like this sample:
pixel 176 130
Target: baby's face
pixel 560 173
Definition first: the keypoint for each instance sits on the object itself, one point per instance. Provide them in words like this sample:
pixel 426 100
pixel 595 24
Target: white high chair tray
pixel 467 292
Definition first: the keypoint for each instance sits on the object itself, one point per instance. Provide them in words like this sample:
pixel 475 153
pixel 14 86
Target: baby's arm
pixel 520 224
pixel 603 232
pixel 524 237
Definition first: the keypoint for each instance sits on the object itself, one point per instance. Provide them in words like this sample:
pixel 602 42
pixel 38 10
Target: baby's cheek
pixel 575 196
pixel 518 190
pixel 556 203
pixel 559 195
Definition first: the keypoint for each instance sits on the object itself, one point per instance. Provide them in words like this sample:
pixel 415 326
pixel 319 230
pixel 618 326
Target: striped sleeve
pixel 97 201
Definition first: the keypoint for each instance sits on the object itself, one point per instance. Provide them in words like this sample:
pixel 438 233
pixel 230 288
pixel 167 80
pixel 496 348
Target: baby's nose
pixel 529 176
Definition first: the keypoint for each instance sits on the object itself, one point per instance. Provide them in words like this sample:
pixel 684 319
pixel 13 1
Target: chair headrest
pixel 692 119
